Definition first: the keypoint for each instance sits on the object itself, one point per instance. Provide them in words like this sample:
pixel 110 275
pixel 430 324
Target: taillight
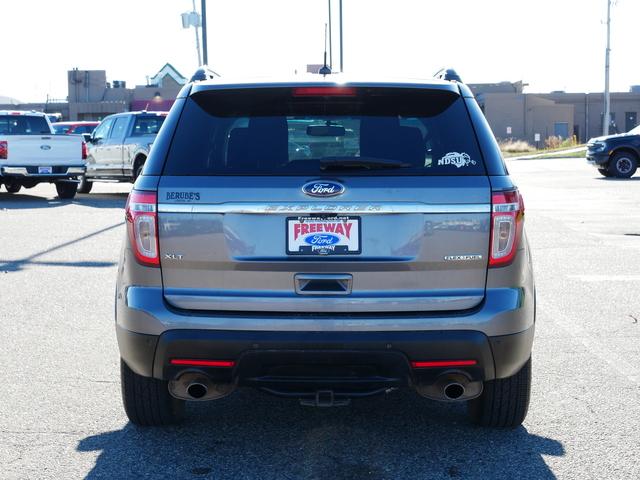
pixel 84 150
pixel 202 363
pixel 4 150
pixel 445 363
pixel 506 222
pixel 142 223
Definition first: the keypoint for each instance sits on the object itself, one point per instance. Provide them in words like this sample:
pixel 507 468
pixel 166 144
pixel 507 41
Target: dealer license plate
pixel 323 236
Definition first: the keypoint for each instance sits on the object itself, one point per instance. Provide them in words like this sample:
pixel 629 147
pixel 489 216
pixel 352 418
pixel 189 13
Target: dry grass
pixel 511 145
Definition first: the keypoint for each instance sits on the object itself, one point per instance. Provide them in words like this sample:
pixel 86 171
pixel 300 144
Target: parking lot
pixel 61 416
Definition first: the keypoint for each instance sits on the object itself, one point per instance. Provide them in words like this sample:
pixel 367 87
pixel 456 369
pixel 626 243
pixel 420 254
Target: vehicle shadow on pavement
pixel 25 201
pixel 17 265
pixel 251 435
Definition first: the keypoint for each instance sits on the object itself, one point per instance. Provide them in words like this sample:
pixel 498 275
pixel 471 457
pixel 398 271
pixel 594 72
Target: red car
pixel 74 128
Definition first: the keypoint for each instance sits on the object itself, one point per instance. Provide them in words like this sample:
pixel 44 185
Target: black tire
pixel 137 168
pixel 605 173
pixel 84 186
pixel 504 402
pixel 623 165
pixel 147 401
pixel 66 189
pixel 12 187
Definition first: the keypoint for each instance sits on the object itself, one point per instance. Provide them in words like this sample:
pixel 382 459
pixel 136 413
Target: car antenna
pixel 325 70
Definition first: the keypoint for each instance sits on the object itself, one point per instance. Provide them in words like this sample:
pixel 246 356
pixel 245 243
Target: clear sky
pixel 548 44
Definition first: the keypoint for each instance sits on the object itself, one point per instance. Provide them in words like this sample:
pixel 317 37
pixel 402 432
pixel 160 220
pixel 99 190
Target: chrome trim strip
pixel 319 208
pixel 23 172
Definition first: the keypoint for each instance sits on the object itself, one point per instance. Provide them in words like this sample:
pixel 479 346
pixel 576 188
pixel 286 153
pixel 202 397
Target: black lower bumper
pixel 358 363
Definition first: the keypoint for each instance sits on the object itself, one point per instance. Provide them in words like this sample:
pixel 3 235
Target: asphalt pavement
pixel 61 416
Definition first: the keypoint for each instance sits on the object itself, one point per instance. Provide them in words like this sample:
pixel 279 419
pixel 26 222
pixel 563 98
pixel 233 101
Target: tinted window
pixel 61 128
pixel 23 125
pixel 375 131
pixel 117 131
pixel 147 125
pixel 102 131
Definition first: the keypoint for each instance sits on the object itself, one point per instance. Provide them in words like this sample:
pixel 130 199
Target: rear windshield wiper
pixel 367 163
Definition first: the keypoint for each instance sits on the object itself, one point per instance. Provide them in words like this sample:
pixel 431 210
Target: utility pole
pixel 341 63
pixel 205 55
pixel 607 97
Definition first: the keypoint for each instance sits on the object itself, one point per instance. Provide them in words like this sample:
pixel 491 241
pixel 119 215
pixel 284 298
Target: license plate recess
pixel 339 235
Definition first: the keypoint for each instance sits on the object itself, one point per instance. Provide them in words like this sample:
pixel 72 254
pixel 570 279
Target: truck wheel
pixel 504 402
pixel 66 189
pixel 623 165
pixel 137 169
pixel 605 172
pixel 84 186
pixel 12 187
pixel 147 401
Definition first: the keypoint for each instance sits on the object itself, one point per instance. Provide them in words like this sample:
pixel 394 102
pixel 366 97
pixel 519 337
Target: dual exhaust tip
pixel 452 387
pixel 196 386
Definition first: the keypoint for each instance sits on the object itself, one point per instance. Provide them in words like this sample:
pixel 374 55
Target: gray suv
pixel 384 250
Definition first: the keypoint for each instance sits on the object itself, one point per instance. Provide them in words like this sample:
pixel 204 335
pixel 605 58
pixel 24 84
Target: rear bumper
pixel 352 363
pixel 62 171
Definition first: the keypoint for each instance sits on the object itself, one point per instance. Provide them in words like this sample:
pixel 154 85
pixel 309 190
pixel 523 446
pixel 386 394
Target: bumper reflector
pixel 445 363
pixel 202 363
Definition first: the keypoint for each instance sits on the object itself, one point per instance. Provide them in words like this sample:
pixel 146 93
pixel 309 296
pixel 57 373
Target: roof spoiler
pixel 448 74
pixel 203 73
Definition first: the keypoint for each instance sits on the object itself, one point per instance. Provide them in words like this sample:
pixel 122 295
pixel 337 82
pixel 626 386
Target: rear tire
pixel 84 186
pixel 12 187
pixel 147 401
pixel 66 189
pixel 504 402
pixel 623 165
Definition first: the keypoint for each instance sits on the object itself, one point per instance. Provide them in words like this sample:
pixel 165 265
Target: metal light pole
pixel 607 97
pixel 193 19
pixel 205 55
pixel 341 63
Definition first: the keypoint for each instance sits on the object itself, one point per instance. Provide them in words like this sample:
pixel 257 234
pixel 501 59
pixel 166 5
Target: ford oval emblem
pixel 323 189
pixel 321 239
pixel 45 147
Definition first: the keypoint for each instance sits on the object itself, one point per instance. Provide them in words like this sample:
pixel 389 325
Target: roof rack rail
pixel 448 74
pixel 203 73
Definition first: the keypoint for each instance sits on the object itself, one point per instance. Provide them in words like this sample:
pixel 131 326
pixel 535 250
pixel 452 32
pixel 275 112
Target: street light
pixel 193 19
pixel 607 97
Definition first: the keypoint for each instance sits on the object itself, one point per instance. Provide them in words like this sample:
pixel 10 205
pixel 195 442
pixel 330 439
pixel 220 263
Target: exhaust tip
pixel 454 391
pixel 197 390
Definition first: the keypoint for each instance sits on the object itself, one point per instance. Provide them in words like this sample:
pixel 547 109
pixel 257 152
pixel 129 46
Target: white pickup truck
pixel 30 153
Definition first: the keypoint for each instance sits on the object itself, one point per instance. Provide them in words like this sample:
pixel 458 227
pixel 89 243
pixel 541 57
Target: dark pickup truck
pixel 119 146
pixel 615 155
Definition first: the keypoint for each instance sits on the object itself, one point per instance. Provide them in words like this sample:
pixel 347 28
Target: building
pixel 511 113
pixel 535 117
pixel 91 97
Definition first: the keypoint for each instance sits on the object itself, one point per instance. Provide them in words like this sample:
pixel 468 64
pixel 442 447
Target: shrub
pixel 511 145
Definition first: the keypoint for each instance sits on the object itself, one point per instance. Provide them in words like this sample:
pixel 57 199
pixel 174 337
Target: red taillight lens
pixel 4 150
pixel 202 363
pixel 444 363
pixel 142 223
pixel 506 222
pixel 84 150
pixel 324 92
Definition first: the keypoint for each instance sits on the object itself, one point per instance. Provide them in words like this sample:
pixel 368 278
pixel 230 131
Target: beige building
pixel 535 117
pixel 510 112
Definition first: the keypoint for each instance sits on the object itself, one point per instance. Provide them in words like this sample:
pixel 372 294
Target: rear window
pixel 289 131
pixel 23 125
pixel 147 125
